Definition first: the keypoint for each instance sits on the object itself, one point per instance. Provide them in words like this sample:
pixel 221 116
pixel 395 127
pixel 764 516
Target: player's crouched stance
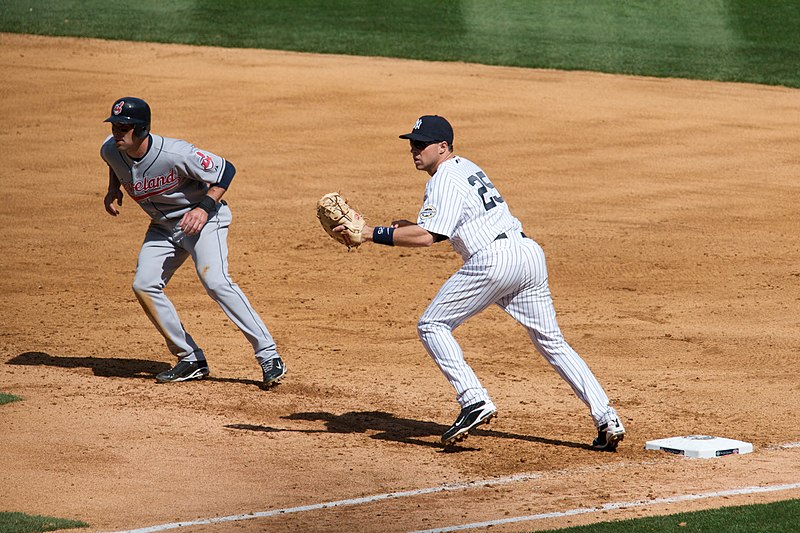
pixel 180 186
pixel 501 266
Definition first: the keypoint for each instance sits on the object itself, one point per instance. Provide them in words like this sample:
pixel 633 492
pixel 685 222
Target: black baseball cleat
pixel 470 417
pixel 609 436
pixel 184 371
pixel 273 370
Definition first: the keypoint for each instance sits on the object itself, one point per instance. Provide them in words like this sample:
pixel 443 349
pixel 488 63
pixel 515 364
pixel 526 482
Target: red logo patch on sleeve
pixel 205 161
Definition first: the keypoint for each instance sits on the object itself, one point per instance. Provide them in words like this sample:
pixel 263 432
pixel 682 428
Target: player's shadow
pixel 388 427
pixel 110 367
pixel 391 428
pixel 100 366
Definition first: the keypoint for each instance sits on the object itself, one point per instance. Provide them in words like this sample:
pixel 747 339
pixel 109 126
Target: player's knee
pixel 144 286
pixel 215 288
pixel 427 326
pixel 552 343
pixel 422 327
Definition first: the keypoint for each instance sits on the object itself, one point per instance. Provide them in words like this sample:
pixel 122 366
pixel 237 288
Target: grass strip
pixel 734 40
pixel 777 517
pixel 24 523
pixel 8 398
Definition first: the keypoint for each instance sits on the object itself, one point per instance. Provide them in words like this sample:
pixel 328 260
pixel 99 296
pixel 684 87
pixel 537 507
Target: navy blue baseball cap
pixel 431 128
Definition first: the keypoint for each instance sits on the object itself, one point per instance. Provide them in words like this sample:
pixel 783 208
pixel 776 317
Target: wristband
pixel 383 235
pixel 207 204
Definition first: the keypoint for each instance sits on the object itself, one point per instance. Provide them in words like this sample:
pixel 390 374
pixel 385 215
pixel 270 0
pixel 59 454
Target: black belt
pixel 504 236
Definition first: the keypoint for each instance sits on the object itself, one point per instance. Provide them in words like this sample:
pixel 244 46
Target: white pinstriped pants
pixel 512 274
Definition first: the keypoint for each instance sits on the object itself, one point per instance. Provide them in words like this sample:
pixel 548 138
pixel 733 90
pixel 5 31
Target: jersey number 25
pixel 488 193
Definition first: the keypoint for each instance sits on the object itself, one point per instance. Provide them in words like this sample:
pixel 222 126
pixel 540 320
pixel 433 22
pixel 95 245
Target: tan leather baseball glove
pixel 332 211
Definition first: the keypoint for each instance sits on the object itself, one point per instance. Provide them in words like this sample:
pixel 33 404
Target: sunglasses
pixel 421 145
pixel 116 126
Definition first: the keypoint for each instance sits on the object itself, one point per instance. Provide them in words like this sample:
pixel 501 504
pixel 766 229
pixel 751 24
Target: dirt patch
pixel 667 209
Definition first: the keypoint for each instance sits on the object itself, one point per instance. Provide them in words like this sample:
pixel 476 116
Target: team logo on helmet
pixel 118 107
pixel 205 161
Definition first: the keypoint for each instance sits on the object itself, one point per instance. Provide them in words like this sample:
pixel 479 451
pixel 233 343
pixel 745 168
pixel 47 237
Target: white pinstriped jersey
pixel 170 179
pixel 462 204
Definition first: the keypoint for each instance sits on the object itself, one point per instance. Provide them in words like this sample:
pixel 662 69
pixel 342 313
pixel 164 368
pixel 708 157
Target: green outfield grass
pixel 779 517
pixel 23 523
pixel 731 40
pixel 8 398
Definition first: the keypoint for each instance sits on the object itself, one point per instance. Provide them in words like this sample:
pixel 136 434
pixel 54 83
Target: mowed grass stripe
pixel 735 40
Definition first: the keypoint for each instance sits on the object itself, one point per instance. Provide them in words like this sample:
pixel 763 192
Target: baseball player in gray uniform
pixel 180 186
pixel 502 266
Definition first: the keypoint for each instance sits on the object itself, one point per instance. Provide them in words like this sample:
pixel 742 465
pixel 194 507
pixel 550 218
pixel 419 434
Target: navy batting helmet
pixel 130 110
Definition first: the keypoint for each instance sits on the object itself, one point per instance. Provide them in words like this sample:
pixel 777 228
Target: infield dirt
pixel 667 210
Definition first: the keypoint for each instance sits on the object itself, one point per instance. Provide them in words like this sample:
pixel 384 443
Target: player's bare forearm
pixel 114 194
pixel 409 235
pixel 113 180
pixel 216 193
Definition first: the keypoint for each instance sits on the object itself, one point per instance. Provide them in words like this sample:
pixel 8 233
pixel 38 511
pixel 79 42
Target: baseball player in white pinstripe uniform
pixel 180 186
pixel 501 266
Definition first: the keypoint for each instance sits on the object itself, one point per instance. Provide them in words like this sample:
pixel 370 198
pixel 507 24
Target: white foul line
pixel 614 506
pixel 467 485
pixel 340 503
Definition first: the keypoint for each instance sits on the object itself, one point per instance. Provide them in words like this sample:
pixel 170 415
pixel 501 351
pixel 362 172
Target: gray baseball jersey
pixel 168 182
pixel 501 266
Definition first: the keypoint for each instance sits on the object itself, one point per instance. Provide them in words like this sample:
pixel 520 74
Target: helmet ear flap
pixel 140 132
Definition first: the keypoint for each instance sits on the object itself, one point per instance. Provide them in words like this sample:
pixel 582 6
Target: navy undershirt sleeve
pixel 227 175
